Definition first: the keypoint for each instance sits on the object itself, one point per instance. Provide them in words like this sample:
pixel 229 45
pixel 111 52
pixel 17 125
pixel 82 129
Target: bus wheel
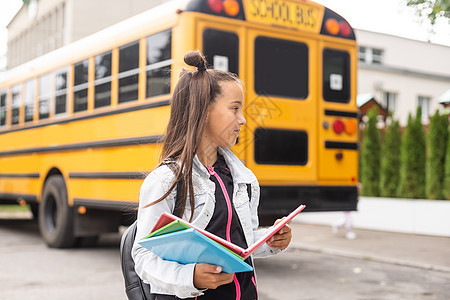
pixel 55 215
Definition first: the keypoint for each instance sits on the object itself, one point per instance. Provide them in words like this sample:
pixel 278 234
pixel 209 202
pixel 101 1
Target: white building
pixel 402 74
pixel 46 25
pixel 399 73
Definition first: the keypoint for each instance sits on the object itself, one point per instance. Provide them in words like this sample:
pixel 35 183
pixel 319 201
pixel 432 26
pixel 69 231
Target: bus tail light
pixel 338 126
pixel 332 26
pixel 345 28
pixel 215 5
pixel 351 126
pixel 335 25
pixel 231 7
pixel 223 8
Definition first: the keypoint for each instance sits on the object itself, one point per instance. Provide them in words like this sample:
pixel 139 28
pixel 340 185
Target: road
pixel 30 270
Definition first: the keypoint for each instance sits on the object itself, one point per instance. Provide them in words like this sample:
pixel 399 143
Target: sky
pixel 385 16
pixel 390 17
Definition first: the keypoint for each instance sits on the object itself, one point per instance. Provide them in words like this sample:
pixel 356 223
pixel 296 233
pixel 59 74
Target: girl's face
pixel 225 118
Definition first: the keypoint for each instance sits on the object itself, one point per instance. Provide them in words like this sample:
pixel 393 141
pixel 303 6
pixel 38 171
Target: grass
pixel 14 208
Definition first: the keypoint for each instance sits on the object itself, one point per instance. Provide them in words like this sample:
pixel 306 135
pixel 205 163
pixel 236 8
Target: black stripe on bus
pixel 152 139
pixel 106 204
pixel 95 115
pixel 341 145
pixel 18 175
pixel 107 175
pixel 337 113
pixel 15 197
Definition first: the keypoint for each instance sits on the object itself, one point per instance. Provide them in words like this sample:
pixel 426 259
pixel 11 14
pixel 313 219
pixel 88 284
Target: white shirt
pixel 168 277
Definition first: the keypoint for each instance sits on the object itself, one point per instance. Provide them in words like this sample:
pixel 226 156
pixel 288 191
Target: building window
pixel 3 108
pixel 102 80
pixel 15 105
pixel 370 55
pixel 61 92
pixel 159 60
pixel 29 100
pixel 424 103
pixel 44 96
pixel 389 100
pixel 128 72
pixel 80 88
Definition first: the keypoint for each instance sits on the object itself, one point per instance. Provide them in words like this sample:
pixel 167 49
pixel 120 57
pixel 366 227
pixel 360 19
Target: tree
pixel 412 159
pixel 370 159
pixel 431 9
pixel 436 156
pixel 390 161
pixel 446 191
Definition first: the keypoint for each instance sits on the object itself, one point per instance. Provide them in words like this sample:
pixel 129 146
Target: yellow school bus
pixel 80 125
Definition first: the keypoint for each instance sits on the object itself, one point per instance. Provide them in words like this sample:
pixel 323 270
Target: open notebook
pixel 166 219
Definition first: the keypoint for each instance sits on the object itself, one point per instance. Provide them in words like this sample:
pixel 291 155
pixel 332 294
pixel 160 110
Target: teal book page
pixel 171 227
pixel 190 246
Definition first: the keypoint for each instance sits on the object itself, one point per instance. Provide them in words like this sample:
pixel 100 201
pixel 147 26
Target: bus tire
pixel 55 214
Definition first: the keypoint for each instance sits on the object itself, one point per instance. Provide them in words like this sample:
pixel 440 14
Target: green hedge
pixel 370 157
pixel 446 187
pixel 390 161
pixel 437 144
pixel 401 167
pixel 412 159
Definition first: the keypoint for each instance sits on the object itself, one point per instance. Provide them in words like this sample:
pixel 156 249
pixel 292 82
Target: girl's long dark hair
pixel 195 91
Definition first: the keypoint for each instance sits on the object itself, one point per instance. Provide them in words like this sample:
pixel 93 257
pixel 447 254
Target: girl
pixel 205 120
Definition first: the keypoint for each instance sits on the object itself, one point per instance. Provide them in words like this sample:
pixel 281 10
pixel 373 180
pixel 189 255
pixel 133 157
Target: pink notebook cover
pixel 167 218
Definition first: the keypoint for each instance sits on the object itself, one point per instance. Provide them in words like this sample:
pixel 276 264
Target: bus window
pixel 80 88
pixel 159 59
pixel 281 147
pixel 44 96
pixel 102 79
pixel 128 72
pixel 221 49
pixel 29 100
pixel 2 108
pixel 15 104
pixel 336 76
pixel 61 92
pixel 281 68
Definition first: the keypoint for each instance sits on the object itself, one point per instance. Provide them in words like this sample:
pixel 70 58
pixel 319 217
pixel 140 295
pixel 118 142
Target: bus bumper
pixel 281 200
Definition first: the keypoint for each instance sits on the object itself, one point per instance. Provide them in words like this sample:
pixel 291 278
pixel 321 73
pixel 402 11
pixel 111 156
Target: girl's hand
pixel 208 276
pixel 282 238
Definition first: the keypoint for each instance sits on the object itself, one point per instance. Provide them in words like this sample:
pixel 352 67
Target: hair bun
pixel 195 59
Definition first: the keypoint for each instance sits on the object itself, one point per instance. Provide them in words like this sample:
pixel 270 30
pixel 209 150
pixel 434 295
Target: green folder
pixel 175 226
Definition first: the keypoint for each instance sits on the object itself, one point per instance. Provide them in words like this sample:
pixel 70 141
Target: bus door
pixel 281 113
pixel 338 124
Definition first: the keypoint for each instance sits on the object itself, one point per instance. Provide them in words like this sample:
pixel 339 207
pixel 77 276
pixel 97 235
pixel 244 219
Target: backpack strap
pixel 249 192
pixel 135 288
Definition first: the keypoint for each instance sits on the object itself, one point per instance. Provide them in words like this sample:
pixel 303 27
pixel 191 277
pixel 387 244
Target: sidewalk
pixel 422 251
pixel 413 216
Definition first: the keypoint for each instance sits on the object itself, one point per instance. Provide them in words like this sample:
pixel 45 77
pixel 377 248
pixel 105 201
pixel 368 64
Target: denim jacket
pixel 168 277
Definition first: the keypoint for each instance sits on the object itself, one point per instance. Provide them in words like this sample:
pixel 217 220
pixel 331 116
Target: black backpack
pixel 135 288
